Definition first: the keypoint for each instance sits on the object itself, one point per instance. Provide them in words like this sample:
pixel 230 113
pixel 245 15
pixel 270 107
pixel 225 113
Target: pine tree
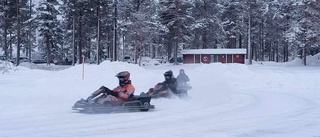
pixel 175 15
pixel 86 15
pixel 49 30
pixel 3 32
pixel 9 16
pixel 28 27
pixel 280 30
pixel 209 32
pixel 138 27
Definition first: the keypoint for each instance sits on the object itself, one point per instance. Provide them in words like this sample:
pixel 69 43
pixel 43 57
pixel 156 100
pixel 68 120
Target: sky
pixel 266 99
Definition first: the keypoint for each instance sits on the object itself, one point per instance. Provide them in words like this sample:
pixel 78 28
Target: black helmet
pixel 125 75
pixel 168 73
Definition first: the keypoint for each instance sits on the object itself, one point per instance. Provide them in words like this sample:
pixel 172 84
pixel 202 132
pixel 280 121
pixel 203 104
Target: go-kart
pixel 134 103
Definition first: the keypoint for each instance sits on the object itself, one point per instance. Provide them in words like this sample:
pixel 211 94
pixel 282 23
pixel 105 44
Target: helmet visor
pixel 121 78
pixel 167 77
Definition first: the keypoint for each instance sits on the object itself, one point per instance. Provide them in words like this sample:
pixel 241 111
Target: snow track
pixel 253 113
pixel 242 108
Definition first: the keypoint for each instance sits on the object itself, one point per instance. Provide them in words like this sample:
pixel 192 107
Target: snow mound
pixel 106 67
pixel 51 67
pixel 6 67
pixel 313 60
pixel 104 74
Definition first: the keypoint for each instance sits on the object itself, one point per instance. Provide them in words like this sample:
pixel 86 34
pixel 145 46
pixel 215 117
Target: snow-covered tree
pixel 139 28
pixel 279 30
pixel 176 16
pixel 86 15
pixel 49 29
pixel 208 27
pixel 9 15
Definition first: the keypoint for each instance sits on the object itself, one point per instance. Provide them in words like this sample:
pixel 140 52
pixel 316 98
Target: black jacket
pixel 171 84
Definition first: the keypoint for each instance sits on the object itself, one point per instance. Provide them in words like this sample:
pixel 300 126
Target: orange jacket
pixel 124 92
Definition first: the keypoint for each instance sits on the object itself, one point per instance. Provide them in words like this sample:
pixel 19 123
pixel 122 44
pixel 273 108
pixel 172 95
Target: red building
pixel 214 55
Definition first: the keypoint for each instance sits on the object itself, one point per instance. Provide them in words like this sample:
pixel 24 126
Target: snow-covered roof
pixel 214 51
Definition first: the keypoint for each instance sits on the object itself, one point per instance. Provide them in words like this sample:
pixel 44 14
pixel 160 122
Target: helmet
pixel 168 73
pixel 124 75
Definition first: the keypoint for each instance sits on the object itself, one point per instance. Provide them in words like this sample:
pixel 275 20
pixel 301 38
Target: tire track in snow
pixel 234 117
pixel 61 126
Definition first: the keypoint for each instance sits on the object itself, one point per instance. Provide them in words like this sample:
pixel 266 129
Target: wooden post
pixel 83 66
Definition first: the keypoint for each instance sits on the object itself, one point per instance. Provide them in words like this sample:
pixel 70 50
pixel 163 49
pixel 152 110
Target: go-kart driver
pixel 118 94
pixel 182 78
pixel 169 83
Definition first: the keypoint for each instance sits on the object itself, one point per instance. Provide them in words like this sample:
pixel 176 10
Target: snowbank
pixel 43 66
pixel 6 67
pixel 268 99
pixel 311 61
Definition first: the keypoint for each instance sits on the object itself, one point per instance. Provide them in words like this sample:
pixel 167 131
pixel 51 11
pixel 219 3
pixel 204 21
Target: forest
pixel 271 30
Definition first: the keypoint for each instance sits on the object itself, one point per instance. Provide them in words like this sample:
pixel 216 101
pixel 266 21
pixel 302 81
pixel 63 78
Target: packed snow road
pixel 254 113
pixel 215 107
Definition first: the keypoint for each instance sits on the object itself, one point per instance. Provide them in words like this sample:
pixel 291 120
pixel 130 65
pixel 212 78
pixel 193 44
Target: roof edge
pixel 214 51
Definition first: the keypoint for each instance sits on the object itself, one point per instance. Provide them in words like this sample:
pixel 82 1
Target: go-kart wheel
pixel 146 106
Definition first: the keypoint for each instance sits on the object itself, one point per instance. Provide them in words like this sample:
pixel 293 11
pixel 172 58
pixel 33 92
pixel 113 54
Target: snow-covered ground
pixel 227 100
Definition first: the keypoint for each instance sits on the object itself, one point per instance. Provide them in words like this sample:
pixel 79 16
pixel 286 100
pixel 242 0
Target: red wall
pixel 189 58
pixel 238 58
pixel 222 58
pixel 206 58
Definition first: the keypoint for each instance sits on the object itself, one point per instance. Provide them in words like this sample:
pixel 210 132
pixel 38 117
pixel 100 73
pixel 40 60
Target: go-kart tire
pixel 146 106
